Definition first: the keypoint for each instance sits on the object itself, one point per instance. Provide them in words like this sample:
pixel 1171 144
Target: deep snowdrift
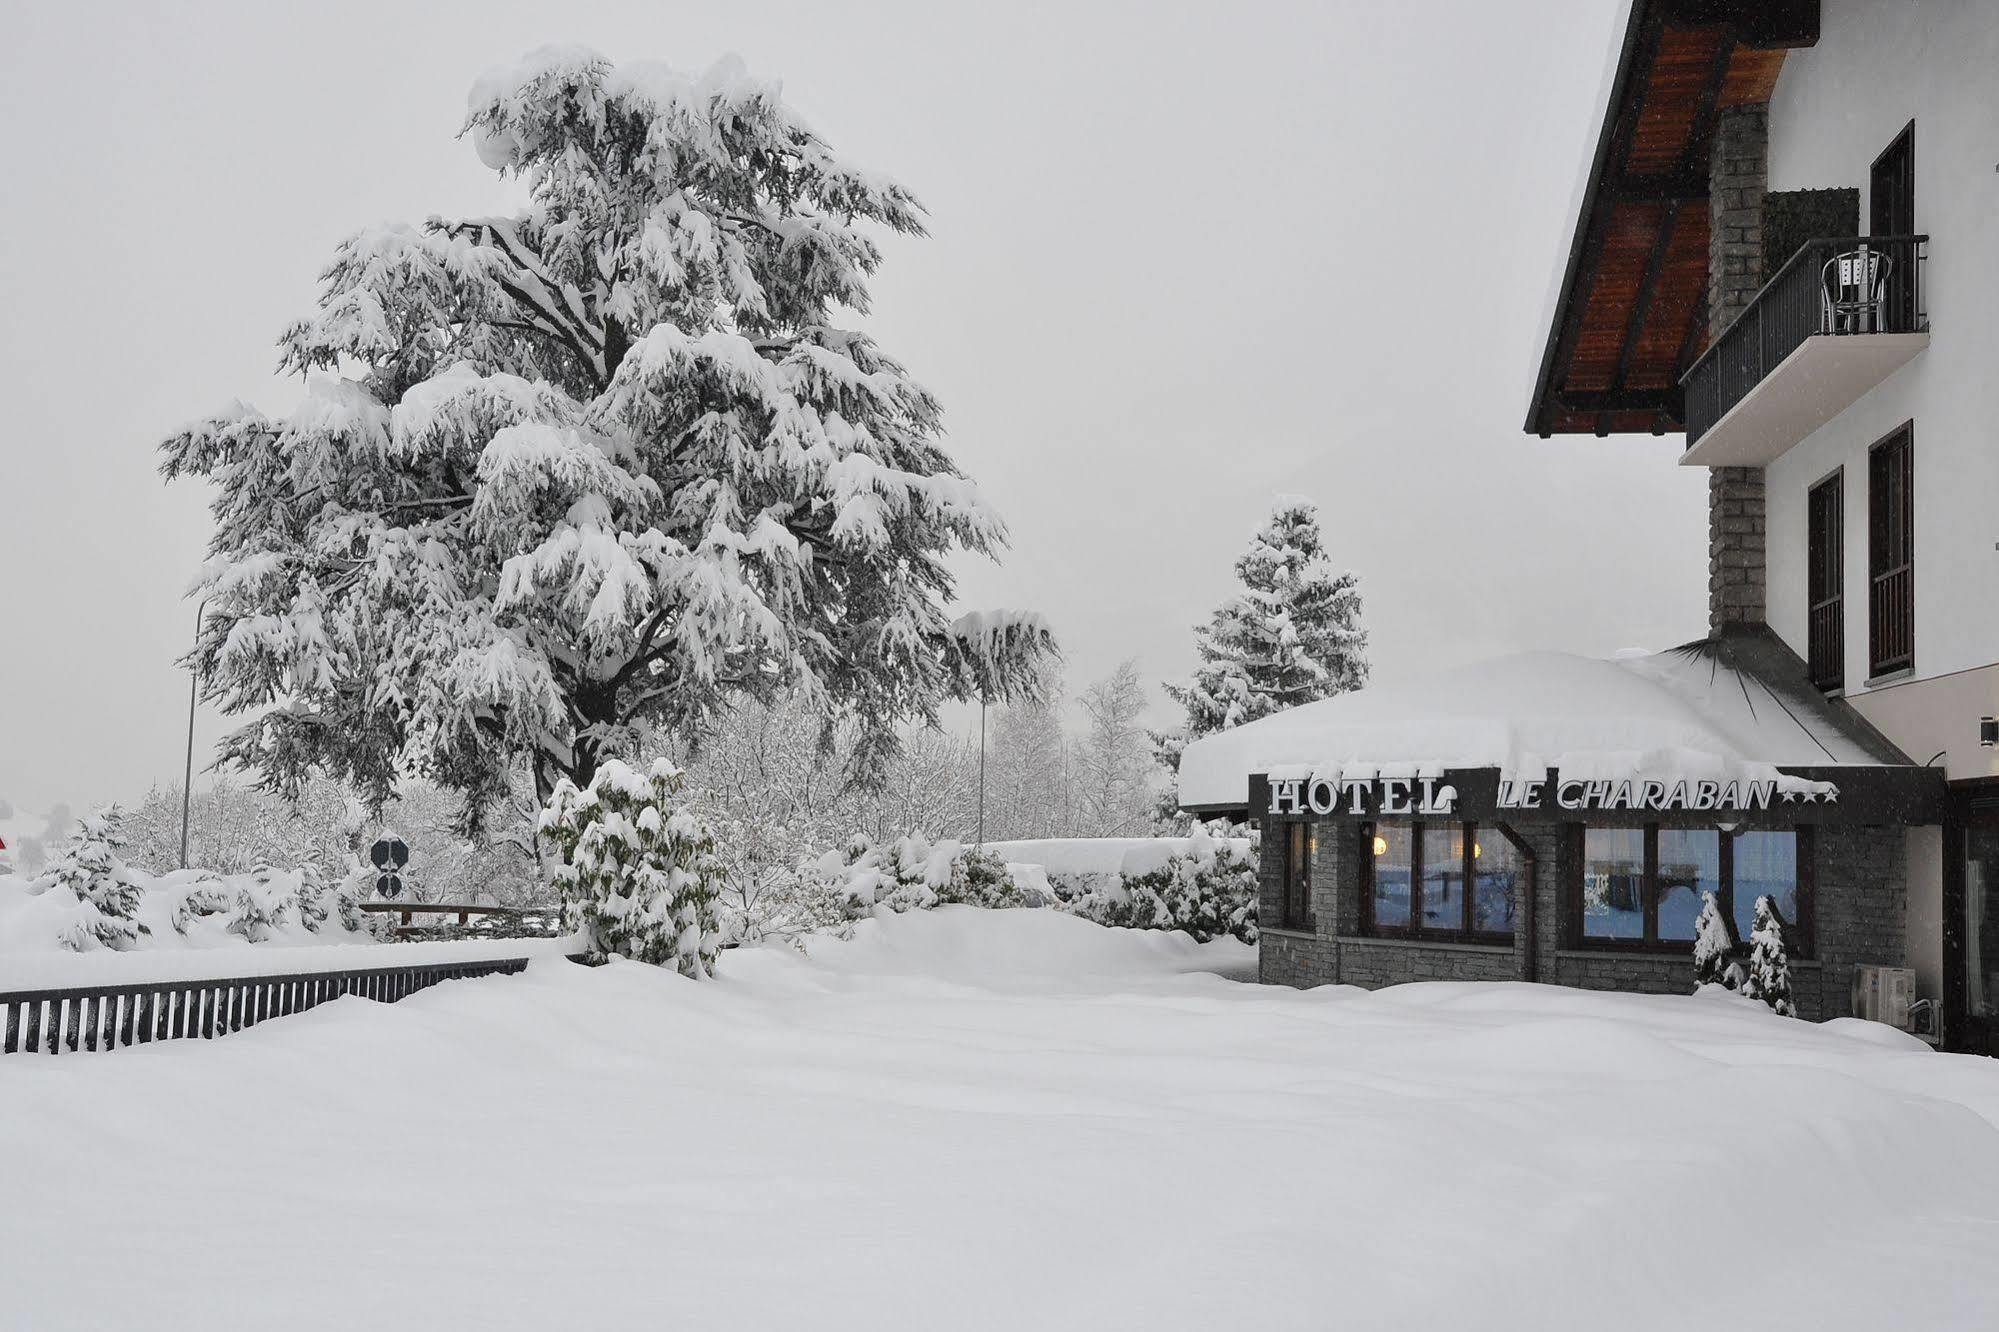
pixel 966 1119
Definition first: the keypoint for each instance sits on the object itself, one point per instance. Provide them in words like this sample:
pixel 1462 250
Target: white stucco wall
pixel 1876 67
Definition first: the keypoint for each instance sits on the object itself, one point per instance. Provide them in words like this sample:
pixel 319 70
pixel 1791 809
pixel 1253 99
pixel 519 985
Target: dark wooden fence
pixel 104 1017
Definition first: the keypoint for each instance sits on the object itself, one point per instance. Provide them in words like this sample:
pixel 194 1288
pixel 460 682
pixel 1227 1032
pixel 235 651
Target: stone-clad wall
pixel 1857 897
pixel 1738 171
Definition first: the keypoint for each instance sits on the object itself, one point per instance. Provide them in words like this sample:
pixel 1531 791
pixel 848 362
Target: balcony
pixel 1839 318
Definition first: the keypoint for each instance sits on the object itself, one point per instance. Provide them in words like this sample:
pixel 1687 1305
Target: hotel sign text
pixel 1432 796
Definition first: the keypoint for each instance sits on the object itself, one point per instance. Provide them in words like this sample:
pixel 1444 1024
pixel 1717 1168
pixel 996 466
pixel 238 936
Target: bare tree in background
pixel 1114 764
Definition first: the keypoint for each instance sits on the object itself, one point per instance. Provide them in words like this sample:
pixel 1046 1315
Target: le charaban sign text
pixel 1429 795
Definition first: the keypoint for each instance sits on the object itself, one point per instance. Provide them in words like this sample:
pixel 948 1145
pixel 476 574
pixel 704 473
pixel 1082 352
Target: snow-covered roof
pixel 1685 714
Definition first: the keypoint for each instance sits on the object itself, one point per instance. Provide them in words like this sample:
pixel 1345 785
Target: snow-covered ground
pixel 967 1119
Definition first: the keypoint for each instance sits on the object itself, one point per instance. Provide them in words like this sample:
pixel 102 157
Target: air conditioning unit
pixel 1884 994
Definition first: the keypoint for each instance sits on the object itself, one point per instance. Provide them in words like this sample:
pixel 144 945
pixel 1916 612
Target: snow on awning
pixel 1682 715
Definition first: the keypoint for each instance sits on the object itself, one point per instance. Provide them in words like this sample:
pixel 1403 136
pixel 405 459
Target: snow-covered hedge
pixel 913 873
pixel 89 898
pixel 1079 866
pixel 1202 884
pixel 637 867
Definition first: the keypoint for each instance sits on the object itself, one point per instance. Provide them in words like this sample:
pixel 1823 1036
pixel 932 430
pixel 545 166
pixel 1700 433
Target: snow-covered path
pixel 966 1119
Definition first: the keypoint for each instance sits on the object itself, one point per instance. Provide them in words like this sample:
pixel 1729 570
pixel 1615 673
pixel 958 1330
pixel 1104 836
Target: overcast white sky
pixel 1184 256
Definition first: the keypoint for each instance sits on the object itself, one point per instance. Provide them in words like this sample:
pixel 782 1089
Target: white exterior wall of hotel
pixel 1837 106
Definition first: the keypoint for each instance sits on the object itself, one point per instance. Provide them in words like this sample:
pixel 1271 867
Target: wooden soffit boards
pixel 1632 313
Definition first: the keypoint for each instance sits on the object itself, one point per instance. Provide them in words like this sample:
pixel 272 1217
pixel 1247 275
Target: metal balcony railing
pixel 1836 287
pixel 1826 635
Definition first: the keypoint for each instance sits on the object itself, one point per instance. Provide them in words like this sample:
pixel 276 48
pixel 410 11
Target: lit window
pixel 1442 880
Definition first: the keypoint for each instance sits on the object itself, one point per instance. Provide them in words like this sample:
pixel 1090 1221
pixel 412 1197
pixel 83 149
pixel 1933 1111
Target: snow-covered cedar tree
pixel 1715 946
pixel 1292 635
pixel 106 891
pixel 611 460
pixel 636 867
pixel 1769 963
pixel 1207 890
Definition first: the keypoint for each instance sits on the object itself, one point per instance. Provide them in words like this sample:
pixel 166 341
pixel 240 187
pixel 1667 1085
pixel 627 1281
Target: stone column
pixel 1737 174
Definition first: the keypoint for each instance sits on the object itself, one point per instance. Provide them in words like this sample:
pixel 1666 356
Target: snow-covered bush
pixel 1208 889
pixel 104 890
pixel 1715 946
pixel 1769 963
pixel 89 897
pixel 783 906
pixel 196 896
pixel 339 902
pixel 913 873
pixel 636 867
pixel 265 902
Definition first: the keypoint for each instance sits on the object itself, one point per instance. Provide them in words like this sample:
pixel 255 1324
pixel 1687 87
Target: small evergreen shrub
pixel 636 867
pixel 1769 963
pixel 106 891
pixel 1715 946
pixel 265 903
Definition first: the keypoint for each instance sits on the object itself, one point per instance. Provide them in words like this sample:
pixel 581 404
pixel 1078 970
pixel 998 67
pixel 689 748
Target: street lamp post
pixel 187 772
pixel 982 769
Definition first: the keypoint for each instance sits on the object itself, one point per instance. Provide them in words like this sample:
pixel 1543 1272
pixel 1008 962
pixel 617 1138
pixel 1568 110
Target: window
pixel 1825 580
pixel 1499 877
pixel 1642 887
pixel 1299 842
pixel 1440 880
pixel 1766 865
pixel 1689 865
pixel 1891 554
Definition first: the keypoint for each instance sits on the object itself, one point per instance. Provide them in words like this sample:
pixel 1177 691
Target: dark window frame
pixel 1825 581
pixel 1415 929
pixel 1891 552
pixel 1294 901
pixel 1798 934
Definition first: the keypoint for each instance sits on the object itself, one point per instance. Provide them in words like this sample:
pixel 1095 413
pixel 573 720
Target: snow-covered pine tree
pixel 637 867
pixel 107 891
pixel 1293 635
pixel 1714 947
pixel 607 461
pixel 1769 963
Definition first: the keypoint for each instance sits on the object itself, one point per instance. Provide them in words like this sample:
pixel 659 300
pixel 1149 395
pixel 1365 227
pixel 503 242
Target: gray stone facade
pixel 1738 173
pixel 1737 575
pixel 1857 898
